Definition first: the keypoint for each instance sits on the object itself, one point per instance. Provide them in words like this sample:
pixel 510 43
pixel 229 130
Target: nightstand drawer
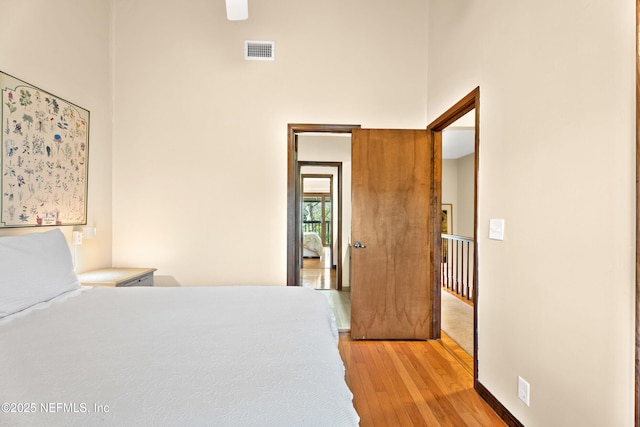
pixel 146 280
pixel 118 277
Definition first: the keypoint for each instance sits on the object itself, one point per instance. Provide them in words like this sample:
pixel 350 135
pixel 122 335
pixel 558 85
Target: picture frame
pixel 44 156
pixel 446 227
pixel 447 218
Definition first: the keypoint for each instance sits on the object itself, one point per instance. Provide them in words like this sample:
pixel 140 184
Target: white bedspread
pixel 216 356
pixel 312 242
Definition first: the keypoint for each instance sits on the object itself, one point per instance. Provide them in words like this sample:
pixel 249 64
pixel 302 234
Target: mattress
pixel 189 356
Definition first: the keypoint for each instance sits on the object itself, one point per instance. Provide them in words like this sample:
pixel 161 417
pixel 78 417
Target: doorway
pixel 320 204
pixel 458 244
pixel 421 312
pixel 296 135
pixel 321 146
pixel 469 104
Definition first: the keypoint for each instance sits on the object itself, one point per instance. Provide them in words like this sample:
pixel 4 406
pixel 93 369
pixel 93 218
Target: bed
pixel 228 356
pixel 311 245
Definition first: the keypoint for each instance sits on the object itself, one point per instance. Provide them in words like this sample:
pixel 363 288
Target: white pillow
pixel 34 268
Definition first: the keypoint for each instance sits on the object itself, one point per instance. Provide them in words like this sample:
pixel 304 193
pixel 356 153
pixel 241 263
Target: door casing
pixel 470 102
pixel 293 192
pixel 336 209
pixel 466 104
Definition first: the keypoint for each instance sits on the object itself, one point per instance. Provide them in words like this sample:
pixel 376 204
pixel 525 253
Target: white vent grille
pixel 259 50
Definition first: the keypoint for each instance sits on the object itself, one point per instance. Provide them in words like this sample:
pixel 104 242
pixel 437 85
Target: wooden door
pixel 391 287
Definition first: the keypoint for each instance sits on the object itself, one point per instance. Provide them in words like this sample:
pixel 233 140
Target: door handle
pixel 359 245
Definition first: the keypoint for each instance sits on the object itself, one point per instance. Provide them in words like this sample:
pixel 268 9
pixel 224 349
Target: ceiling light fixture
pixel 237 10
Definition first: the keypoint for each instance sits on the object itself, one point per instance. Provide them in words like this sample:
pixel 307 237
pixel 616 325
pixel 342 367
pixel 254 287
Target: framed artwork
pixel 447 227
pixel 44 157
pixel 447 218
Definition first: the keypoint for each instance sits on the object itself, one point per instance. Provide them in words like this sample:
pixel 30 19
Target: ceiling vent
pixel 259 50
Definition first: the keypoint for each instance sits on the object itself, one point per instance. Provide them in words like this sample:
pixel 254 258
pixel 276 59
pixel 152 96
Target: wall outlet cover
pixel 524 391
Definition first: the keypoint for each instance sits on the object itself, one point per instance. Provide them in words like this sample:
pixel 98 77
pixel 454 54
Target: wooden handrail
pixel 461 238
pixel 457 270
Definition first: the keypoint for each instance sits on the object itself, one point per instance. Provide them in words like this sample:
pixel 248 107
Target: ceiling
pixel 458 142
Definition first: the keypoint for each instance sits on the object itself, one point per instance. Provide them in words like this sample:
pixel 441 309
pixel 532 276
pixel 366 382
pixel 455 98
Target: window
pixel 316 215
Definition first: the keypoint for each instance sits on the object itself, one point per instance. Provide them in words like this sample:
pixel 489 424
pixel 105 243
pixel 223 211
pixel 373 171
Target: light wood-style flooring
pixel 411 383
pixel 402 383
pixel 317 272
pixel 458 353
pixel 340 302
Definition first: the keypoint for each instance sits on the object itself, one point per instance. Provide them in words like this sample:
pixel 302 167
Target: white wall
pixel 450 187
pixel 457 190
pixel 317 185
pixel 63 47
pixel 466 186
pixel 557 162
pixel 200 135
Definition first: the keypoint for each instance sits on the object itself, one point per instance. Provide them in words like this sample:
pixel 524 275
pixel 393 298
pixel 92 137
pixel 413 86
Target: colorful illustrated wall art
pixel 45 153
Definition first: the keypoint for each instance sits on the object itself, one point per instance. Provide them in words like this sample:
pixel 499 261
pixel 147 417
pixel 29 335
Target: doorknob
pixel 359 245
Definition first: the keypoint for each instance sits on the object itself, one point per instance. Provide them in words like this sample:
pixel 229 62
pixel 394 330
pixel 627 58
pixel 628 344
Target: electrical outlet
pixel 523 391
pixel 77 237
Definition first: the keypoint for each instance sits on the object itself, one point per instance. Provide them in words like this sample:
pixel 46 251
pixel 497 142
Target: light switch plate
pixel 496 229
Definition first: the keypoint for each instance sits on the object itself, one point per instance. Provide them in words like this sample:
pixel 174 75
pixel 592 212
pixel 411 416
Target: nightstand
pixel 118 277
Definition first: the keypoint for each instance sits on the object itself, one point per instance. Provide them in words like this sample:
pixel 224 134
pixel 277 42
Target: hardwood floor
pixel 340 302
pixel 411 383
pixel 317 272
pixel 405 383
pixel 458 353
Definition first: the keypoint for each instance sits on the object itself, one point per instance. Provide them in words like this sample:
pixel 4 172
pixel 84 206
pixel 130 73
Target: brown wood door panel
pixel 392 180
